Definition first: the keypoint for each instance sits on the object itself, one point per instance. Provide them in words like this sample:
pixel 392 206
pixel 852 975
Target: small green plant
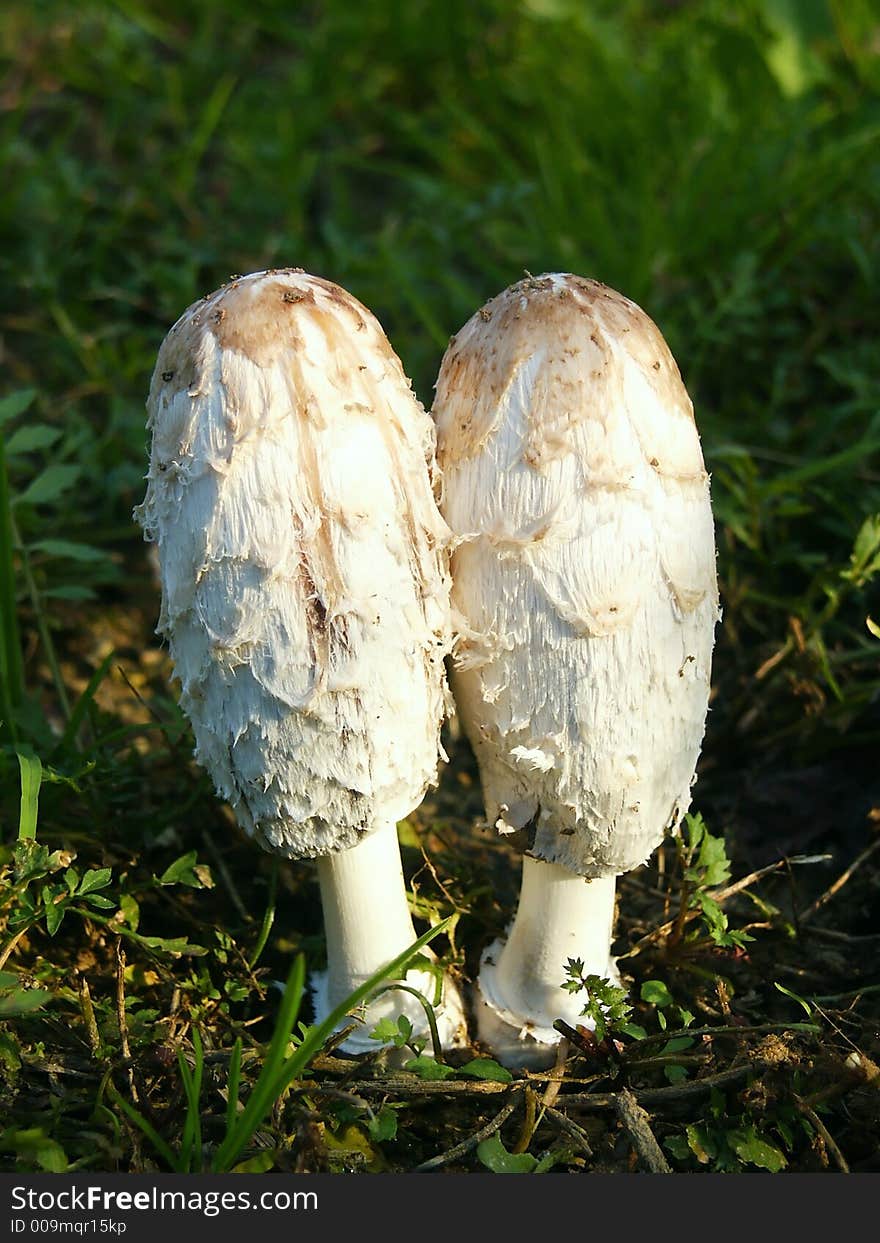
pixel 704 865
pixel 396 1033
pixel 496 1158
pixel 43 886
pixel 606 1005
pixel 724 1143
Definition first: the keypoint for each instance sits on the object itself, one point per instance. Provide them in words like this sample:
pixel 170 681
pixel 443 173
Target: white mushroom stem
pixel 366 916
pixel 560 916
pixel 367 924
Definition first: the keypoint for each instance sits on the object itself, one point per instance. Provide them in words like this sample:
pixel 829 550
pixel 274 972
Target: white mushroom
pixel 305 597
pixel 584 573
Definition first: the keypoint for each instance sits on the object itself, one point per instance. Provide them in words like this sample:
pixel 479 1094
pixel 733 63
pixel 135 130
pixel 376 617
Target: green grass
pixel 715 162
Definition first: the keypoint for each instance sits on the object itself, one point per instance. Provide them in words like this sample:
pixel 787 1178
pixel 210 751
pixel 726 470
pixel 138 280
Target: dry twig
pixel 578 1134
pixel 840 882
pixel 638 1127
pixel 675 1094
pixel 121 1017
pixel 88 1013
pixel 467 1145
pixel 827 1138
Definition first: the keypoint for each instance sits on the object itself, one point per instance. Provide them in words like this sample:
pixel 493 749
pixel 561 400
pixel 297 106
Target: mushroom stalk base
pixel 520 994
pixel 367 924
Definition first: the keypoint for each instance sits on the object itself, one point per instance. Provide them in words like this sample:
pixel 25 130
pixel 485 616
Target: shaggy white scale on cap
pixel 584 573
pixel 305 589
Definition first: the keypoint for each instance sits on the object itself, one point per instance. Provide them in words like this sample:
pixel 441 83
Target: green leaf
pixel 35 1146
pixel 68 549
pixel 385 1031
pixel 675 1074
pixel 428 1068
pixel 805 1005
pixel 144 1125
pixel 27 439
pixel 496 1158
pixel 100 902
pixel 49 485
pixel 753 1148
pixel 677 1043
pixel 95 878
pixel 31 779
pixel 55 912
pixel 171 945
pixel 873 627
pixel 22 1001
pixel 865 559
pixel 677 1145
pixel 486 1068
pixel 131 911
pixel 655 993
pixel 258 1164
pixel 712 866
pixel 186 871
pixel 635 1030
pixel 383 1125
pixel 16 403
pixel 606 1006
pixel 701 1143
pixel 71 591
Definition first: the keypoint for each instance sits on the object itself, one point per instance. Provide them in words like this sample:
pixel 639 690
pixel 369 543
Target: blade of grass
pixel 31 780
pixel 11 669
pixel 42 623
pixel 191 1140
pixel 232 1083
pixel 84 703
pixel 277 1073
pixel 261 1097
pixel 135 1116
pixel 268 919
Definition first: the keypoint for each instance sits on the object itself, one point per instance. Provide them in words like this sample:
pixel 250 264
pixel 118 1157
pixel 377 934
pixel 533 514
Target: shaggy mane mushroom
pixel 305 597
pixel 584 576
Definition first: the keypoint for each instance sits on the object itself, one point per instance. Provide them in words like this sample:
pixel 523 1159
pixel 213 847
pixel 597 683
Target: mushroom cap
pixel 583 569
pixel 304 563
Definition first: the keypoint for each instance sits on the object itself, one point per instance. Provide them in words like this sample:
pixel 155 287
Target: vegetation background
pixel 716 162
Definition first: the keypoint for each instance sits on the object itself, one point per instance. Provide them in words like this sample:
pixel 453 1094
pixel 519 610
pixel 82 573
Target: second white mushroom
pixel 584 576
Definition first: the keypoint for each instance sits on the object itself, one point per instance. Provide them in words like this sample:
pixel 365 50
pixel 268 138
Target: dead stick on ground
pixel 557 1075
pixel 658 1097
pixel 406 1085
pixel 638 1127
pixel 88 1013
pixel 535 1110
pixel 830 1144
pixel 121 1017
pixel 570 1128
pixel 840 882
pixel 11 946
pixel 466 1146
pixel 530 1122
